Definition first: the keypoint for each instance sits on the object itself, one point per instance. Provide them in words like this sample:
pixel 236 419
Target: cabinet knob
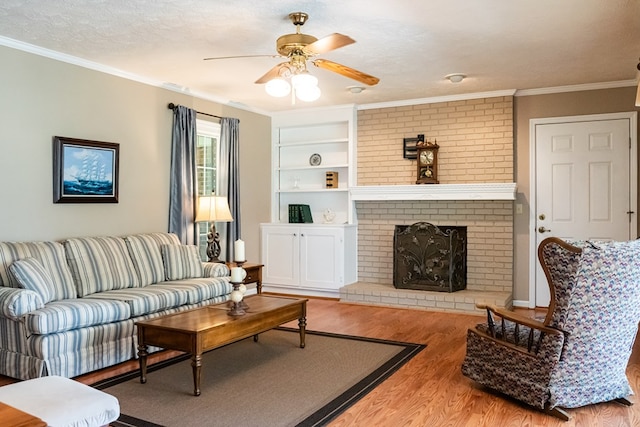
pixel 294 234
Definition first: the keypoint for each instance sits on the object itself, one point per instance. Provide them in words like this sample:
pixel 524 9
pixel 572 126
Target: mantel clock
pixel 427 155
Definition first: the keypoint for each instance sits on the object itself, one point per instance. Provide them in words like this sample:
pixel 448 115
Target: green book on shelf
pixel 306 213
pixel 295 215
pixel 299 214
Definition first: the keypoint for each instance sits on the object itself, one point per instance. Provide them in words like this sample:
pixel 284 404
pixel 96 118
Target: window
pixel 208 136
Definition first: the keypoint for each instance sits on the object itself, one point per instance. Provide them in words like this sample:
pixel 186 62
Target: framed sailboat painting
pixel 85 171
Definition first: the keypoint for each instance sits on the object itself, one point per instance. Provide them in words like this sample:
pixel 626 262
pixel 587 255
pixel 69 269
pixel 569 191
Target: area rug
pixel 272 382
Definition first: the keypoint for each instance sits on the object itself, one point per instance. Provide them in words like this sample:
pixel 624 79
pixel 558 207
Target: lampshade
pixel 212 209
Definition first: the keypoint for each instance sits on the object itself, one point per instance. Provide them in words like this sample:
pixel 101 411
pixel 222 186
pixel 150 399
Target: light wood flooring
pixel 430 390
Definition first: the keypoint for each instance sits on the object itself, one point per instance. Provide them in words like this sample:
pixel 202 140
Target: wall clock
pixel 427 155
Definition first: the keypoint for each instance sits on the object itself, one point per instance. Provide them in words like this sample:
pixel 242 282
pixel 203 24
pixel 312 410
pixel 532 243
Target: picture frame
pixel 409 147
pixel 85 171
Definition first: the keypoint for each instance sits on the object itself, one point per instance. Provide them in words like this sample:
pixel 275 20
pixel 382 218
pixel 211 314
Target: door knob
pixel 543 230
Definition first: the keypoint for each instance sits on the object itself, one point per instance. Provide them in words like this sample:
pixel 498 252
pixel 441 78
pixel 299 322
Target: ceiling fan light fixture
pixel 455 77
pixel 304 79
pixel 278 87
pixel 308 93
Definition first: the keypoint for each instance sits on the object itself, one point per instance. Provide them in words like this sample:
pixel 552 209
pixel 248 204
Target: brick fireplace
pixel 489 226
pixel 476 150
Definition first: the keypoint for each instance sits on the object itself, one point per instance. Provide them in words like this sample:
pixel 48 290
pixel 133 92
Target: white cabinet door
pixel 321 255
pixel 281 255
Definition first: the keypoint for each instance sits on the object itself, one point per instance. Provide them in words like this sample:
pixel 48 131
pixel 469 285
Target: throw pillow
pixel 181 261
pixel 31 275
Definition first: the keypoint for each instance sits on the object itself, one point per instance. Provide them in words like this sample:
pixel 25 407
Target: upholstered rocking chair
pixel 578 355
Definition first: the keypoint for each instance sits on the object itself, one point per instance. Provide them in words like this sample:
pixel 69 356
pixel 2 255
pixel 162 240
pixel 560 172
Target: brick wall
pixel 475 138
pixel 476 146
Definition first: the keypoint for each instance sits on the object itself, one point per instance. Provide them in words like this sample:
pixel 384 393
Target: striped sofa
pixel 70 307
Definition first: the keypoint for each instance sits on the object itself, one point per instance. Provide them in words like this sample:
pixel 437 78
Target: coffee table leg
pixel 142 357
pixel 302 324
pixel 196 364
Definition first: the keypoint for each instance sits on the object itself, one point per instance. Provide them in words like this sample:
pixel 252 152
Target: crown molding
pixel 436 99
pixel 576 88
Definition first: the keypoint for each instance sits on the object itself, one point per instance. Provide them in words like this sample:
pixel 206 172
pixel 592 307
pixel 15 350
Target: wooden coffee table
pixel 202 329
pixel 11 416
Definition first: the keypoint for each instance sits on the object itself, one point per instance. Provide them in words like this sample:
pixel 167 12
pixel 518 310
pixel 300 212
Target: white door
pixel 584 186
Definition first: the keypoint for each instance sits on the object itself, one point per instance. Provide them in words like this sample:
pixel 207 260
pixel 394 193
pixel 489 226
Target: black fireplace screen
pixel 430 258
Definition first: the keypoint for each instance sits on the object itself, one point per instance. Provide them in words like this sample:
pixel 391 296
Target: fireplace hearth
pixel 431 258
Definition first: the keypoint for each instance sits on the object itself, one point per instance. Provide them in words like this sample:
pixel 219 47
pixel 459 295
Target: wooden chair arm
pixel 519 319
pixel 519 332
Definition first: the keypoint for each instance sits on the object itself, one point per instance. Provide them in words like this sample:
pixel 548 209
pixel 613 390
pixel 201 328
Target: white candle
pixel 236 274
pixel 238 250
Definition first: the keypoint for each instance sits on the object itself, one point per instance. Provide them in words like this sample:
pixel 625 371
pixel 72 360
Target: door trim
pixel 632 116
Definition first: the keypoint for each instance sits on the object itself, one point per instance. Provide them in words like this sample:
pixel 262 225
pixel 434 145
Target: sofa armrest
pixel 215 269
pixel 15 303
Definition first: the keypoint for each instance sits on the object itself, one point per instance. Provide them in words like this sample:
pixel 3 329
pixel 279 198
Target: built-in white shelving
pixel 299 135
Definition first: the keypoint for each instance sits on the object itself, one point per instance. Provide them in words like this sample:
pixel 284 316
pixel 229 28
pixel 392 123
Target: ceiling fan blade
pixel 346 71
pixel 242 56
pixel 328 43
pixel 272 73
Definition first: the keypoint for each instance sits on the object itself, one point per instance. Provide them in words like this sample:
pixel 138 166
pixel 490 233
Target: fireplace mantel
pixel 488 191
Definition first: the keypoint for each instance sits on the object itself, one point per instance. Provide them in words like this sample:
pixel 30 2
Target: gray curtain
pixel 229 184
pixel 183 188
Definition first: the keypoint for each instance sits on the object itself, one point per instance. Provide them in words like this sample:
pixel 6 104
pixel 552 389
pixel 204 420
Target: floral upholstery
pixel 580 355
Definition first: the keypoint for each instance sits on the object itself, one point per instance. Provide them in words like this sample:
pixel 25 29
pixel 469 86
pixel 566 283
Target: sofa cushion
pixel 215 269
pixel 59 316
pixel 51 256
pixel 31 275
pixel 199 289
pixel 181 262
pixel 100 264
pixel 145 253
pixel 146 300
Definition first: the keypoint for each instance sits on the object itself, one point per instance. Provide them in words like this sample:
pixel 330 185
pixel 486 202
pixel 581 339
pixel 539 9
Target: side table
pixel 254 274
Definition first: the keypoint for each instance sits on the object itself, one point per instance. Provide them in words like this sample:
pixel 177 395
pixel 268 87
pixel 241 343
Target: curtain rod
pixel 172 106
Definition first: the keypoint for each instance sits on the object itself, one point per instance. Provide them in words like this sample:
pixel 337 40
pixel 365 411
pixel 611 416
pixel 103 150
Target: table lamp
pixel 211 209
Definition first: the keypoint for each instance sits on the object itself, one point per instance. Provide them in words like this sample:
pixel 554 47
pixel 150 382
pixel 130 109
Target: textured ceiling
pixel 410 45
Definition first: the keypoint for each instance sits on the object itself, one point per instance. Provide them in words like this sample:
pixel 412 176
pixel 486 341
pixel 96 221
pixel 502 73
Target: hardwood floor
pixel 430 389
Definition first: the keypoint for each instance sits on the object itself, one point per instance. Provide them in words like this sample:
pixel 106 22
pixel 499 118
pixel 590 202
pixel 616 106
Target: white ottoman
pixel 62 402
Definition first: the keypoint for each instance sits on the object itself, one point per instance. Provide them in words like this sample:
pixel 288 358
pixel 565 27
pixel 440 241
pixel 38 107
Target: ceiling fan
pixel 298 48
